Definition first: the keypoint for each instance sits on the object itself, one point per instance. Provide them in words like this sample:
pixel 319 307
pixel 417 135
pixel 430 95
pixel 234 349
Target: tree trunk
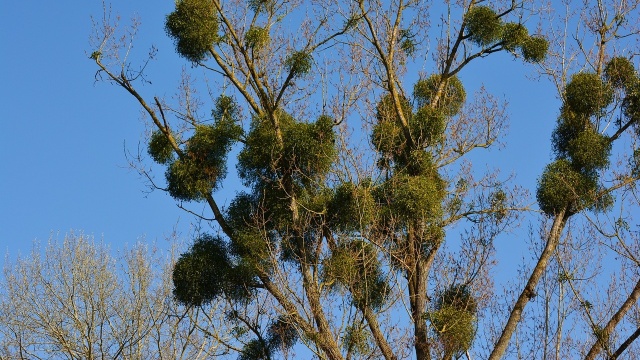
pixel 529 290
pixel 417 278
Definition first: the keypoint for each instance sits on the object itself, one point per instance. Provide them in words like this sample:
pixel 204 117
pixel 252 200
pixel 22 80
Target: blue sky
pixel 63 134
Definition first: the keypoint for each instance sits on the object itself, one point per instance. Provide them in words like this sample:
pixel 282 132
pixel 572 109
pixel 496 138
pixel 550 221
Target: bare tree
pixel 75 300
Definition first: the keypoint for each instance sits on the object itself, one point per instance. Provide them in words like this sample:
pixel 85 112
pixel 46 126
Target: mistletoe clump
pixel 305 153
pixel 203 164
pixel 483 25
pixel 207 271
pixel 257 37
pixel 485 28
pixel 388 137
pixel 194 28
pixel 534 49
pixel 514 35
pixel 586 93
pixel 450 98
pixel 571 183
pixel 352 206
pixel 298 63
pixel 620 72
pixel 160 148
pixel 415 197
pixel 562 187
pixel 354 264
pixel 454 319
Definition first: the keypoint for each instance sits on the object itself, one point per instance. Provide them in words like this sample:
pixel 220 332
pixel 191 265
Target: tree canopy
pixel 355 174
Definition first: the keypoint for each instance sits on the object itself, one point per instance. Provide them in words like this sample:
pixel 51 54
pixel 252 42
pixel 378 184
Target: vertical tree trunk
pixel 417 278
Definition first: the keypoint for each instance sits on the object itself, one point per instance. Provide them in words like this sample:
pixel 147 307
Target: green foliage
pixel 514 35
pixel 587 94
pixel 249 242
pixel 257 37
pixel 418 163
pixel 185 181
pixel 570 125
pixel 199 275
pixel 427 127
pixel 261 149
pixel 194 28
pixel 459 297
pixel 388 139
pixel 575 138
pixel 408 46
pixel 620 72
pixel 483 25
pixel 455 329
pixel 316 199
pixel 160 148
pixel 534 49
pixel 300 248
pixel 571 182
pixel 631 103
pixel 356 339
pixel 282 334
pixel 589 150
pixel 561 187
pixel 602 200
pixel 352 206
pixel 498 202
pixel 454 319
pixel 451 99
pixel 252 247
pixel 208 271
pixel 387 135
pixel 203 165
pixel 298 63
pixel 228 114
pixel 241 211
pixel 406 42
pixel 354 264
pixel 386 111
pixel 415 197
pixel 307 152
pixel 255 350
pixel 279 172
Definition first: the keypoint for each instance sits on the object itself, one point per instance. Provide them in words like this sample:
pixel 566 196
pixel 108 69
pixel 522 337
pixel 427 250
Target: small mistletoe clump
pixel 194 28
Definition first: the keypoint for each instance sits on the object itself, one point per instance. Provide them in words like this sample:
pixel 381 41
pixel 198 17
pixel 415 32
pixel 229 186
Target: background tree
pixel 74 300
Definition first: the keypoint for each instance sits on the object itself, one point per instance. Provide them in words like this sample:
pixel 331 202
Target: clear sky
pixel 63 135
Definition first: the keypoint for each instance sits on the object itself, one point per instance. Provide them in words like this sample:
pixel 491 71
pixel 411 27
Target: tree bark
pixel 529 290
pixel 417 279
pixel 613 322
pixel 382 343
